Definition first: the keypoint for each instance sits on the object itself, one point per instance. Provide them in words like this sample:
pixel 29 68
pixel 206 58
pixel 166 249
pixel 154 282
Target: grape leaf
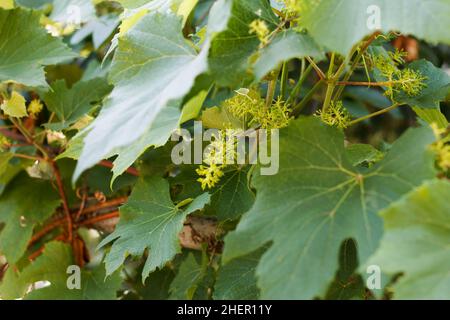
pixel 74 147
pixel 232 197
pixel 26 48
pixel 149 220
pixel 96 69
pixel 7 4
pixel 347 285
pixel 432 116
pixel 25 203
pixel 233 44
pixel 52 267
pixel 416 242
pixel 5 157
pixel 316 201
pixel 156 286
pixel 15 106
pixel 237 280
pixel 34 4
pixel 185 8
pixel 219 118
pixel 340 24
pixel 153 66
pixel 100 28
pixel 70 104
pixel 132 4
pixel 133 13
pixel 192 108
pixel 285 46
pixel 9 168
pixel 189 278
pixel 157 135
pixel 363 154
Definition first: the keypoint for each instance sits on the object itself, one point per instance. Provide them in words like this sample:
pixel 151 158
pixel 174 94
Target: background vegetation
pixel 90 92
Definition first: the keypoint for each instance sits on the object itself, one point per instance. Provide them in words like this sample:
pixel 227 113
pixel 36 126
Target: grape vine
pixel 224 149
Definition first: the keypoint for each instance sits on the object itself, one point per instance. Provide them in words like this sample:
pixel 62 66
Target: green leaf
pixel 363 154
pixel 52 267
pixel 316 201
pixel 100 28
pixel 192 108
pixel 132 4
pixel 70 104
pixel 185 8
pixel 5 157
pixel 15 106
pixel 232 197
pixel 149 220
pixel 432 116
pixel 27 47
pixel 156 286
pixel 285 46
pixel 26 203
pixel 188 280
pixel 147 78
pixel 233 44
pixel 340 24
pixel 74 147
pixel 34 4
pixel 7 4
pixel 219 118
pixel 347 285
pixel 157 135
pixel 416 243
pixel 9 168
pixel 237 280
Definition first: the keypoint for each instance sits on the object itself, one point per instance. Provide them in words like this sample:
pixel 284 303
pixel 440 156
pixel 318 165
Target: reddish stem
pixel 45 230
pixel 108 164
pixel 36 254
pixel 103 217
pixel 108 204
pixel 62 194
pixel 13 135
pixel 82 206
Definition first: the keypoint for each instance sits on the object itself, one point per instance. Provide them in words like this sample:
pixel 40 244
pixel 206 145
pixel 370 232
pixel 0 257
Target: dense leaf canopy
pixel 330 155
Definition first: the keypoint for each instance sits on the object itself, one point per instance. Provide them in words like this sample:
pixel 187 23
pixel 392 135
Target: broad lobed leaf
pixel 316 201
pixel 153 66
pixel 70 104
pixel 26 203
pixel 149 220
pixel 27 48
pixel 415 243
pixel 340 24
pixel 52 267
